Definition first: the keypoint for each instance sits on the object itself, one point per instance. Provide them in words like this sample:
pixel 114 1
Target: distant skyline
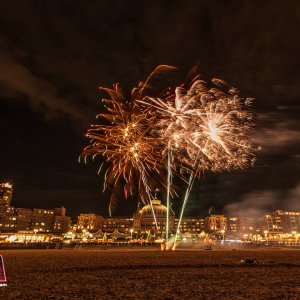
pixel 54 56
pixel 229 213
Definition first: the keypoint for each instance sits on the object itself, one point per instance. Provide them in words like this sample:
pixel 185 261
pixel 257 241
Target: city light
pixel 278 227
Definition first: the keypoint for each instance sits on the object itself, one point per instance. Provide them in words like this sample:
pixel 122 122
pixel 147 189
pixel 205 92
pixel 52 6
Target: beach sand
pixel 150 274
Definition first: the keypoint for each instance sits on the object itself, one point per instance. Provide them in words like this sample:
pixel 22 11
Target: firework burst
pixel 123 139
pixel 187 131
pixel 207 125
pixel 204 128
pixel 217 138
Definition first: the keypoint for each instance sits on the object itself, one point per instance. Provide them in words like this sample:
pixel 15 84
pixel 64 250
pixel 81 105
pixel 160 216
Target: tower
pixel 6 191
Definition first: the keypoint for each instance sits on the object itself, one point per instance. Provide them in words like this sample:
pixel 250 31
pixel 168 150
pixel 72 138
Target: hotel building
pixel 14 219
pixel 143 220
pixel 281 221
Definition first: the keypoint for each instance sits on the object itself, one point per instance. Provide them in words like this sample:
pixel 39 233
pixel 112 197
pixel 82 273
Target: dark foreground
pixel 138 274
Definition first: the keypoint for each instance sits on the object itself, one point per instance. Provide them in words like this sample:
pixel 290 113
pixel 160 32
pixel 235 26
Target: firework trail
pixel 185 130
pixel 131 154
pixel 169 183
pixel 205 128
pixel 171 127
pixel 217 139
pixel 185 199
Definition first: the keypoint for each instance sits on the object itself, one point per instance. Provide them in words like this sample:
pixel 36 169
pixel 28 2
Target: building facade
pixel 216 224
pixel 90 222
pixel 282 222
pixel 233 225
pixel 144 220
pixel 24 218
pixel 6 191
pixel 247 225
pixel 120 224
pixel 39 220
pixel 191 225
pixel 42 219
pixel 149 219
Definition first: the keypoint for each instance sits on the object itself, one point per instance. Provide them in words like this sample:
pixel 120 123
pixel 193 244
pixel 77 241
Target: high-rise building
pixel 6 191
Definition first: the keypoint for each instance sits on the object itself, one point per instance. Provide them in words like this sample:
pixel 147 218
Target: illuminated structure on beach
pixel 272 226
pixel 144 219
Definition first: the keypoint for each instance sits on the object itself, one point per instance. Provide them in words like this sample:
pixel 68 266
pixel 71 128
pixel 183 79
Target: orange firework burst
pixel 183 130
pixel 123 138
pixel 219 124
pixel 209 124
pixel 203 128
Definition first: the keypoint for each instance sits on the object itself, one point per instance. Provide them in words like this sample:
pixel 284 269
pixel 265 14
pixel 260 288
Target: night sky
pixel 55 54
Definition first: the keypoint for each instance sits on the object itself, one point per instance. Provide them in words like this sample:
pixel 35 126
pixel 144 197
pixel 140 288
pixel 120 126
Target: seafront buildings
pixel 276 223
pixel 43 224
pixel 282 221
pixel 36 220
pixel 14 219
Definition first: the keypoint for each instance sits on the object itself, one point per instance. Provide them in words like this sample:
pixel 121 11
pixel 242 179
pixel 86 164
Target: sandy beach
pixel 150 274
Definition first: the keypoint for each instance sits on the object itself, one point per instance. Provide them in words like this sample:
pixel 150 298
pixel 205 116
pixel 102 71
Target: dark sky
pixel 55 54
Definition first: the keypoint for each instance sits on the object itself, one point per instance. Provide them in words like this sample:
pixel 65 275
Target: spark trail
pixel 132 156
pixel 207 126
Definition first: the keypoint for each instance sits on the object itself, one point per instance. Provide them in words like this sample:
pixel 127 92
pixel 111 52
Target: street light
pixel 35 231
pixel 223 232
pixel 266 235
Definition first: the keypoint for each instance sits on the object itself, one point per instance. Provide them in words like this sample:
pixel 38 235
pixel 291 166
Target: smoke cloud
pixel 257 203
